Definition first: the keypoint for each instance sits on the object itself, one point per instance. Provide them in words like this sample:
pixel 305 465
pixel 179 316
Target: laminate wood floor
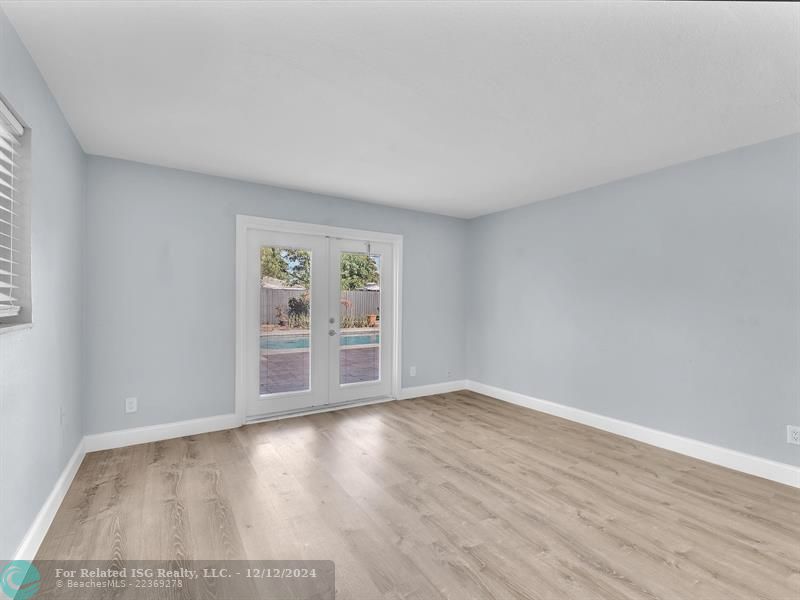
pixel 450 496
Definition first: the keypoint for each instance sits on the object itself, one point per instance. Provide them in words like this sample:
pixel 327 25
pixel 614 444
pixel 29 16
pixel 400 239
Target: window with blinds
pixel 13 238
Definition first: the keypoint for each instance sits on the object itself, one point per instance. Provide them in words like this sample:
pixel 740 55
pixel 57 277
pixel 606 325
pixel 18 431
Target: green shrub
pixel 299 321
pixel 299 306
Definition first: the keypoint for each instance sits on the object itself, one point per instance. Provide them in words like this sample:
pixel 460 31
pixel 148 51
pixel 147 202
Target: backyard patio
pixel 287 371
pixel 285 315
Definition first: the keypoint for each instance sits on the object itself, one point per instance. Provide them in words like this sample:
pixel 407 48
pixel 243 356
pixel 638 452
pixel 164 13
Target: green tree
pixel 298 266
pixel 358 270
pixel 273 265
pixel 291 266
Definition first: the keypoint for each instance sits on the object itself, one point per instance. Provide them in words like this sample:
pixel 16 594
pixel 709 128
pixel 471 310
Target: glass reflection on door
pixel 359 317
pixel 285 308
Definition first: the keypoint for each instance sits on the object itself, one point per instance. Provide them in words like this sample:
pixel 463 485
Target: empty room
pixel 383 300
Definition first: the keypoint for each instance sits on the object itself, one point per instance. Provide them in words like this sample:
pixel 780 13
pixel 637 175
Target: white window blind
pixel 10 239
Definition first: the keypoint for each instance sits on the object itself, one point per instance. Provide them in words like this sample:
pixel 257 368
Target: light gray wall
pixel 160 287
pixel 668 299
pixel 40 368
pixel 671 299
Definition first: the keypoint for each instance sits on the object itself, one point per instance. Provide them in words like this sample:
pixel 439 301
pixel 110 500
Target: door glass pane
pixel 359 317
pixel 285 319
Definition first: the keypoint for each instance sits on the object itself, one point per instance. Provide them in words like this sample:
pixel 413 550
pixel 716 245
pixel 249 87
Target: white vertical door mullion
pixel 334 317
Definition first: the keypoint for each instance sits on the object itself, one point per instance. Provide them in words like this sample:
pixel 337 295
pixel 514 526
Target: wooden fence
pixel 360 303
pixel 355 303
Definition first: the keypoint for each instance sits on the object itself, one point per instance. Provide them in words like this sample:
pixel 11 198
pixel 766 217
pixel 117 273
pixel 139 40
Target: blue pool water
pixel 360 338
pixel 290 342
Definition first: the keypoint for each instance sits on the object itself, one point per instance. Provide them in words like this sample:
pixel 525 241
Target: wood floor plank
pixel 454 496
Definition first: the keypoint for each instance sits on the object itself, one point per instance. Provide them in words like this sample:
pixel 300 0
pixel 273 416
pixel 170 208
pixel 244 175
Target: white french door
pixel 318 325
pixel 360 339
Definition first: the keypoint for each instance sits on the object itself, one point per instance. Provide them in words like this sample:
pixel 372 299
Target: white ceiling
pixel 455 108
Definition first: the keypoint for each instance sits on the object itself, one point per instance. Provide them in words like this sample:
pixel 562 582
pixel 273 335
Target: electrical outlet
pixel 793 434
pixel 412 371
pixel 131 405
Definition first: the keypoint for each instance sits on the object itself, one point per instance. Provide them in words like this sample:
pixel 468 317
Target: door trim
pixel 245 223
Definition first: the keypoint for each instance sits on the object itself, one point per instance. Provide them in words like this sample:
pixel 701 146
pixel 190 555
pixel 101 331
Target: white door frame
pixel 245 223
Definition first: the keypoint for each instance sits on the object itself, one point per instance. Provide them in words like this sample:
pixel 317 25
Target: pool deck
pixel 288 371
pixel 267 330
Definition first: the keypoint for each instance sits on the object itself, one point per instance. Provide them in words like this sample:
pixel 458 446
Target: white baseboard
pixel 732 459
pixel 141 435
pixel 103 441
pixel 33 538
pixel 155 433
pixel 434 388
pixel 753 465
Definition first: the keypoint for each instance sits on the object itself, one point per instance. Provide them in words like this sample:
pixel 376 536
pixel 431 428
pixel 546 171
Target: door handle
pixel 331 332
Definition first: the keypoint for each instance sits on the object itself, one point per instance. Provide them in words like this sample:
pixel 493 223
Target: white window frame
pixel 19 221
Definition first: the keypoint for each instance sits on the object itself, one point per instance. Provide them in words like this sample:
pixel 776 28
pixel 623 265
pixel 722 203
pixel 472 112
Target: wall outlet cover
pixel 793 434
pixel 412 371
pixel 131 405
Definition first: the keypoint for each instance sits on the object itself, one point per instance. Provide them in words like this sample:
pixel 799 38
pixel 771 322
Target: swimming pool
pixel 299 342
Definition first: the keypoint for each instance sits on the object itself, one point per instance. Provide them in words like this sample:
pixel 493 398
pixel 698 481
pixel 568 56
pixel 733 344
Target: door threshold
pixel 288 414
